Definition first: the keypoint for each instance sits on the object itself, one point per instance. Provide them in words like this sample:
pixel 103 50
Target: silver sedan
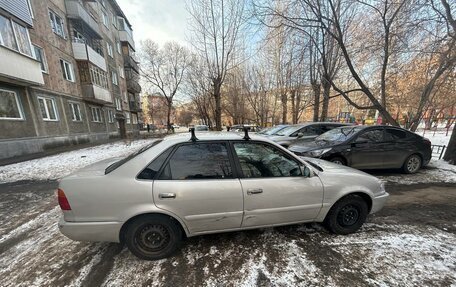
pixel 215 182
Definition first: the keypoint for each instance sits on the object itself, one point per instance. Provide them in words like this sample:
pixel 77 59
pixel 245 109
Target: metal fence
pixel 438 150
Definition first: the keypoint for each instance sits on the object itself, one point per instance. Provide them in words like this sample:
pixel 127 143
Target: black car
pixel 369 147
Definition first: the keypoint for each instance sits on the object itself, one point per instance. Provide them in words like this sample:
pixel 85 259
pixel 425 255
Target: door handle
pixel 167 195
pixel 254 191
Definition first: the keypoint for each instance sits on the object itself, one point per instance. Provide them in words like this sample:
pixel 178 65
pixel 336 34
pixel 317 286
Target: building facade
pixel 68 74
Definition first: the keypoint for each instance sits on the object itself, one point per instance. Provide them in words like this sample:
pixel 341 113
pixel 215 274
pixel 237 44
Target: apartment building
pixel 68 74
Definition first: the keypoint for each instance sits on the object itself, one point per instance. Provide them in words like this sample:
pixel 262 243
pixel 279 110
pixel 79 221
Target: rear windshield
pixel 124 160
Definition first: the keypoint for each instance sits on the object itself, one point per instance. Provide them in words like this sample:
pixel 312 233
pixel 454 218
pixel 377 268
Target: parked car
pixel 272 130
pixel 201 128
pixel 370 147
pixel 240 128
pixel 303 132
pixel 184 185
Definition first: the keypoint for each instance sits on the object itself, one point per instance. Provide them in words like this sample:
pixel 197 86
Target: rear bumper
pixel 91 231
pixel 378 202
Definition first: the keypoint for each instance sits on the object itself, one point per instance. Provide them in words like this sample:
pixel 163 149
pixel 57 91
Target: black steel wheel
pixel 347 215
pixel 153 237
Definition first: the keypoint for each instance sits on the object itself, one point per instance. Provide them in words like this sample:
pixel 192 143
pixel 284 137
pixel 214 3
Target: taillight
pixel 63 201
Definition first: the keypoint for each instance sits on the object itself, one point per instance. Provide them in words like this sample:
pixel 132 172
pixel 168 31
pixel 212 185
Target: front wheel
pixel 153 237
pixel 337 160
pixel 412 164
pixel 347 215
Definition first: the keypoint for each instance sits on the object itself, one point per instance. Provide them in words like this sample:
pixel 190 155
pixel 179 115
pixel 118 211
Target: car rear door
pixel 367 149
pixel 198 184
pixel 398 146
pixel 275 191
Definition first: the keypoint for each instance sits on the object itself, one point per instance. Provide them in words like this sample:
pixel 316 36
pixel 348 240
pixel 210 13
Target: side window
pixel 261 160
pixel 393 134
pixel 154 167
pixel 371 136
pixel 198 161
pixel 311 131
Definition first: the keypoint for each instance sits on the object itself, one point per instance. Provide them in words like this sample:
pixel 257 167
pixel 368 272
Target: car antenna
pixel 246 133
pixel 193 138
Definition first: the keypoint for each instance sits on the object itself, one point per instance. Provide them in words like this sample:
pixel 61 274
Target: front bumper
pixel 91 231
pixel 378 202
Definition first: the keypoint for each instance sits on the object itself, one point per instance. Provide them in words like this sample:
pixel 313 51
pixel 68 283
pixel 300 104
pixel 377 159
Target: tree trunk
pixel 284 100
pixel 218 104
pixel 316 90
pixel 293 107
pixel 325 104
pixel 450 154
pixel 168 114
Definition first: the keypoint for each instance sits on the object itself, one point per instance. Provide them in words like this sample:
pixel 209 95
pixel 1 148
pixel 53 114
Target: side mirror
pixel 300 134
pixel 306 171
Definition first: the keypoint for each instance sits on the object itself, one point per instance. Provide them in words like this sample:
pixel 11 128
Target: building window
pixel 121 72
pixel 110 51
pixel 78 37
pixel 134 118
pixel 115 81
pixel 105 19
pixel 48 108
pixel 40 57
pixel 113 20
pixel 118 104
pixel 75 112
pixel 110 116
pixel 67 70
pixel 10 108
pixel 57 24
pixel 15 36
pixel 22 39
pixel 119 47
pixel 127 117
pixel 99 77
pixel 96 114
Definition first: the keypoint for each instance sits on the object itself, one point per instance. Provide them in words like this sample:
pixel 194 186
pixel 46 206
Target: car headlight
pixel 319 152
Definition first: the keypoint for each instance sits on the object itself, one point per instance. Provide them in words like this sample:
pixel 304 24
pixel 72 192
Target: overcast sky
pixel 159 20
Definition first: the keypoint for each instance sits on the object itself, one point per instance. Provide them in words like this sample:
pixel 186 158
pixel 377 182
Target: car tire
pixel 338 160
pixel 347 215
pixel 412 164
pixel 153 237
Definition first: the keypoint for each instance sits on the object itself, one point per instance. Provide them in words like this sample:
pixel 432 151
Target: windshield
pixel 124 160
pixel 339 134
pixel 288 130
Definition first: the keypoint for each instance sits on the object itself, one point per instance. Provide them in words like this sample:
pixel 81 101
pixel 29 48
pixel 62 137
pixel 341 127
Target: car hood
pixel 329 167
pixel 305 146
pixel 95 169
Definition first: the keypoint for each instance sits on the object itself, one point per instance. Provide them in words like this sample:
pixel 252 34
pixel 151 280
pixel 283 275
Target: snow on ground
pixel 60 165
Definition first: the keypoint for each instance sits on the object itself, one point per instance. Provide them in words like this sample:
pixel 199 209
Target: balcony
pixel 77 12
pixel 19 69
pixel 135 107
pixel 96 94
pixel 129 62
pixel 82 51
pixel 133 86
pixel 126 36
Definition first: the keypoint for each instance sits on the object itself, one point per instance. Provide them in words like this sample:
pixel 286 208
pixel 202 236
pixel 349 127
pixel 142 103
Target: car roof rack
pixel 246 133
pixel 193 138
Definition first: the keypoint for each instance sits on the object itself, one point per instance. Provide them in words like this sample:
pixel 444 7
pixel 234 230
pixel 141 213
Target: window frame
pixel 17 44
pixel 105 18
pixel 54 106
pixel 229 148
pixel 118 104
pixel 283 153
pixel 19 107
pixel 64 71
pixel 110 49
pixel 43 54
pixel 92 108
pixel 111 116
pixel 62 23
pixel 114 80
pixel 71 104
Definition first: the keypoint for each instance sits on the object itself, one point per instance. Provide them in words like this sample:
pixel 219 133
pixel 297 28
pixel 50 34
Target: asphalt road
pixel 411 242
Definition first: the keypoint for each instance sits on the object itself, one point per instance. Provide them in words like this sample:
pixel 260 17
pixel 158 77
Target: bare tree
pixel 164 69
pixel 216 29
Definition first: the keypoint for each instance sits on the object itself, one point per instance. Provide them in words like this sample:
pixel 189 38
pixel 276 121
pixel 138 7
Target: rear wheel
pixel 347 215
pixel 153 237
pixel 338 160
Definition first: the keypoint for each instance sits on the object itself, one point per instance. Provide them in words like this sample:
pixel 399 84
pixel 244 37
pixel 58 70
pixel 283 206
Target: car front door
pixel 366 150
pixel 275 191
pixel 197 184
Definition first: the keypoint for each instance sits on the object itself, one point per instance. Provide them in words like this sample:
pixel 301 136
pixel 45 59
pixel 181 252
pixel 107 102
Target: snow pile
pixel 60 165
